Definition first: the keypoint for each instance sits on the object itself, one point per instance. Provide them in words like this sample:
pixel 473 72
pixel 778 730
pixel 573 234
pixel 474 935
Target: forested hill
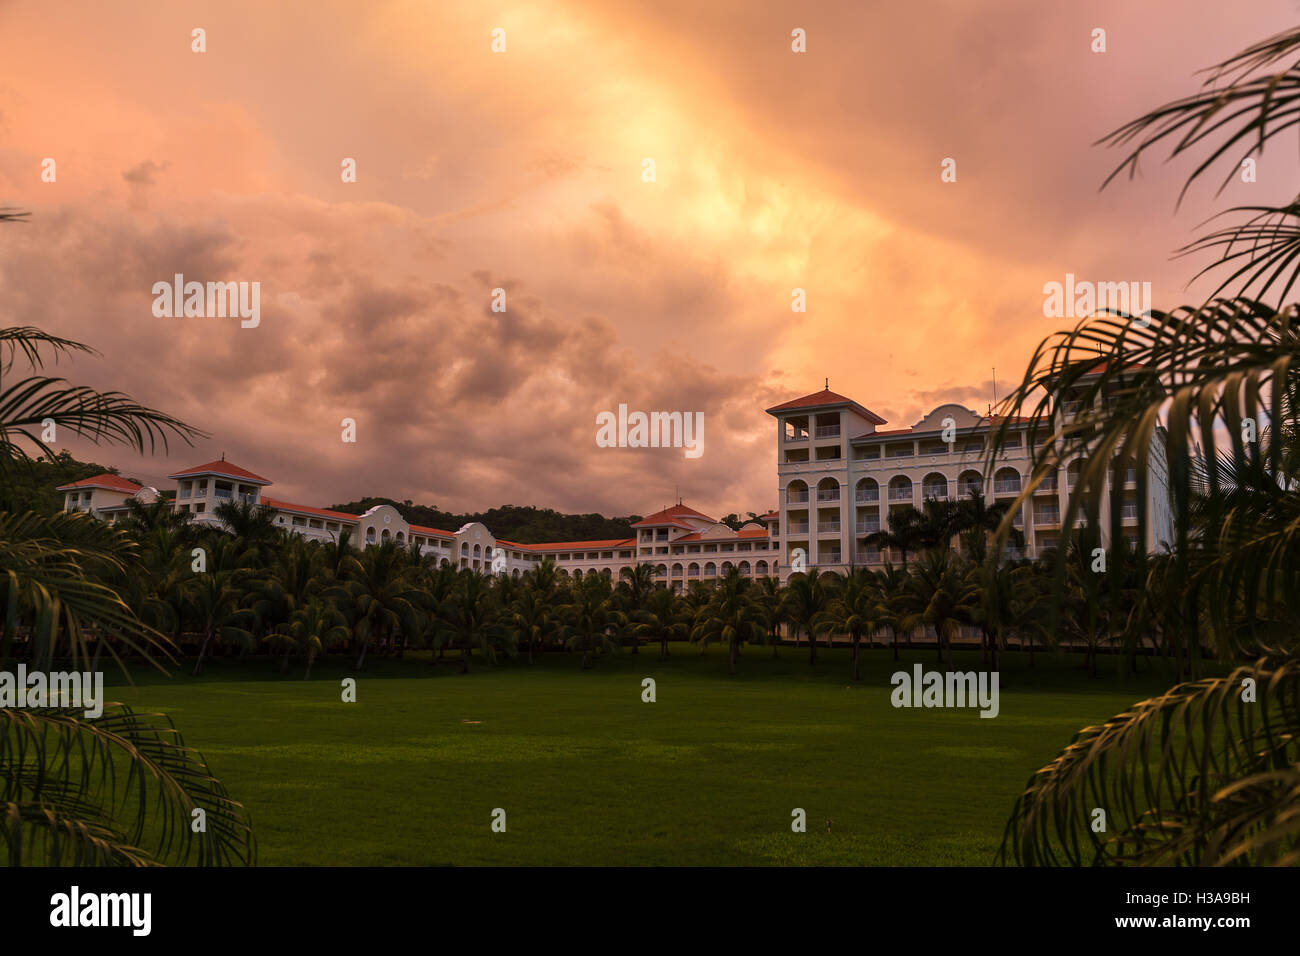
pixel 29 485
pixel 525 525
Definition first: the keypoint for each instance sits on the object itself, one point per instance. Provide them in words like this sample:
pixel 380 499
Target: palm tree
pixel 989 591
pixel 115 790
pixel 378 592
pixel 856 609
pixel 902 533
pixel 663 619
pixel 731 616
pixel 530 617
pixel 1197 775
pixel 591 620
pixel 213 599
pixel 938 597
pixel 635 586
pixel 891 590
pixel 807 600
pixel 771 601
pixel 472 618
pixel 976 520
pixel 313 629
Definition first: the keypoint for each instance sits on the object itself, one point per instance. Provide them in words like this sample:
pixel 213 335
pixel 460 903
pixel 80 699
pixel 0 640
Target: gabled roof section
pixel 671 516
pixel 279 505
pixel 223 469
pixel 106 481
pixel 825 399
pixel 605 544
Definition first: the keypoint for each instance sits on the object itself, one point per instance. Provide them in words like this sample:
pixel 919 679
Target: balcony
pixel 797 498
pixel 1129 511
pixel 800 435
pixel 937 492
pixel 827 431
pixel 868 527
pixel 223 494
pixel 867 496
pixel 797 527
pixel 967 488
pixel 1071 408
pixel 1047 516
pixel 1006 487
pixel 900 494
pixel 868 556
pixel 1047 486
pixel 829 495
pixel 828 527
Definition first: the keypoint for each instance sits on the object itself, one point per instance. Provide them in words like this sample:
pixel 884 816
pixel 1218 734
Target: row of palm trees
pixel 246 585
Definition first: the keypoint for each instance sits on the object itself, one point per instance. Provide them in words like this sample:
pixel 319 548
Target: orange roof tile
pixel 107 481
pixel 225 469
pixel 668 514
pixel 825 399
pixel 308 510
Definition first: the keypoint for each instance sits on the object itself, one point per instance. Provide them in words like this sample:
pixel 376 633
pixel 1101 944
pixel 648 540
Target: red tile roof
pixel 770 516
pixel 225 469
pixel 825 399
pixel 420 529
pixel 107 481
pixel 308 510
pixel 581 545
pixel 752 533
pixel 668 514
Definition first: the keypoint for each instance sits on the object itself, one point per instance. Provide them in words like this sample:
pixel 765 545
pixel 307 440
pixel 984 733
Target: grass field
pixel 589 774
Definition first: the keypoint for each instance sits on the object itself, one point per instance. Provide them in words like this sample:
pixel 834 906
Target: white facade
pixel 838 478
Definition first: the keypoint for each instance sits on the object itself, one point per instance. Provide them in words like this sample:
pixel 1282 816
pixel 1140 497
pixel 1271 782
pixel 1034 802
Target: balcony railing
pixel 828 527
pixel 968 487
pixel 1048 516
pixel 220 493
pixel 868 527
pixel 1006 487
pixel 796 497
pixel 869 556
pixel 798 528
pixel 829 495
pixel 796 436
pixel 935 491
pixel 868 495
pixel 900 494
pixel 827 431
pixel 1129 511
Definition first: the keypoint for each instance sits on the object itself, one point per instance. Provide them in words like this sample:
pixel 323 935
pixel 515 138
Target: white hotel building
pixel 838 478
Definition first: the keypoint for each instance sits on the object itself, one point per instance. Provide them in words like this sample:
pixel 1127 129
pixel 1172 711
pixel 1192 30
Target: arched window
pixel 970 481
pixel 796 493
pixel 900 488
pixel 1006 481
pixel 934 485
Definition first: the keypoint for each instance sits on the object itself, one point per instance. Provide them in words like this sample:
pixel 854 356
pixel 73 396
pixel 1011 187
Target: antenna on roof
pixel 995 385
pixel 828 383
pixel 223 456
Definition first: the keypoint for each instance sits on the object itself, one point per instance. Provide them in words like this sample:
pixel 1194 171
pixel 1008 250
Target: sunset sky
pixel 523 170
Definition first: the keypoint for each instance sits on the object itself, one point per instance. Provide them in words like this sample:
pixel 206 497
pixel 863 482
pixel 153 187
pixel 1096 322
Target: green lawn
pixel 588 774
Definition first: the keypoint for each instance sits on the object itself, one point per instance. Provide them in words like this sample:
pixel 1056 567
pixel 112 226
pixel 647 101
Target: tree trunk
pixel 284 663
pixel 857 674
pixel 464 660
pixel 311 657
pixel 812 648
pixel 362 658
pixel 734 644
pixel 203 650
pixel 893 639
